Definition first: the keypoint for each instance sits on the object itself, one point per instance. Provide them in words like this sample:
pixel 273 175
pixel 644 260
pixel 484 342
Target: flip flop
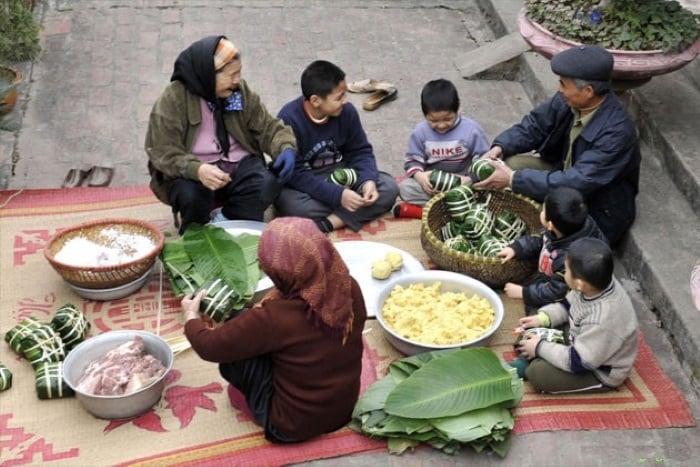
pixel 380 97
pixel 363 85
pixel 75 177
pixel 100 176
pixel 369 85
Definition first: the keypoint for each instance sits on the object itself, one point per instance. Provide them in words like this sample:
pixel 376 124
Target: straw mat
pixel 196 422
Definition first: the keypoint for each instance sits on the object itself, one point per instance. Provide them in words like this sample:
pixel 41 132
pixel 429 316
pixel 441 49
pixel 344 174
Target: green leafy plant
pixel 19 33
pixel 619 24
pixel 446 399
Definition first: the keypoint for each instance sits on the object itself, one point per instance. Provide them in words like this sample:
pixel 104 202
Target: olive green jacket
pixel 174 124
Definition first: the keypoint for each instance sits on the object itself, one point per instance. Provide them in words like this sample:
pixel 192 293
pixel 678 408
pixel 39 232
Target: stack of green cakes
pixel 44 346
pixel 474 228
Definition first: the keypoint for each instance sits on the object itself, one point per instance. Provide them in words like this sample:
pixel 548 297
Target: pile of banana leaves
pixel 445 399
pixel 207 257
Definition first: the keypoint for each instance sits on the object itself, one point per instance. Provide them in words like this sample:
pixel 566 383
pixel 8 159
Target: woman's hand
pixel 213 177
pixel 190 305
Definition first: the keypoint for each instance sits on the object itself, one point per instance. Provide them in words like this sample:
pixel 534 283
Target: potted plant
pixel 9 81
pixel 19 33
pixel 646 37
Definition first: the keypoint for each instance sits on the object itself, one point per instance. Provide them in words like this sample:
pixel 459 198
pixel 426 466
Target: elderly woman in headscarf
pixel 207 136
pixel 296 355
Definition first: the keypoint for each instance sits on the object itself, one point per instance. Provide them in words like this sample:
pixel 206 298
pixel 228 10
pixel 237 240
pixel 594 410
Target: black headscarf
pixel 194 67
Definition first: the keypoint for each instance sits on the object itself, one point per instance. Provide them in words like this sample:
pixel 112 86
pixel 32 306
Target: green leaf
pixel 374 397
pixel 464 380
pixel 216 255
pixel 474 424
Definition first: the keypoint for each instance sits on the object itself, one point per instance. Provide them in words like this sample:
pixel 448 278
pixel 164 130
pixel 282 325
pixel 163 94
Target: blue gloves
pixel 283 165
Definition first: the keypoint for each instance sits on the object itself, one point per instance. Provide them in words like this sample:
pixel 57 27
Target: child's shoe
pixel 408 210
pixel 519 364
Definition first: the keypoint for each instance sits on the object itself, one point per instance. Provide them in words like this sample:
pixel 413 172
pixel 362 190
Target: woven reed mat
pixel 195 422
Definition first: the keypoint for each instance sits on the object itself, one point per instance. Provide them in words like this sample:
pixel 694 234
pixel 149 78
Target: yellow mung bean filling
pixel 424 314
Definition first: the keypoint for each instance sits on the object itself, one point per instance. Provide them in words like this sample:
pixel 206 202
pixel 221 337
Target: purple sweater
pixel 341 142
pixel 451 152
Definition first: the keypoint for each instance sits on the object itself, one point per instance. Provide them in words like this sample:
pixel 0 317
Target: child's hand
pixel 351 200
pixel 513 290
pixel 527 322
pixel 370 195
pixel 423 179
pixel 528 346
pixel 505 254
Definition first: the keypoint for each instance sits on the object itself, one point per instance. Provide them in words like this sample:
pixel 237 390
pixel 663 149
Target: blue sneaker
pixel 217 216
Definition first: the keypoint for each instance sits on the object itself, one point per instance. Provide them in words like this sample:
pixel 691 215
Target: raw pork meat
pixel 123 370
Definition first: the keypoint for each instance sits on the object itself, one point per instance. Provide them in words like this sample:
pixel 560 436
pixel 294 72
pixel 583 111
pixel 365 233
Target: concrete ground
pixel 85 102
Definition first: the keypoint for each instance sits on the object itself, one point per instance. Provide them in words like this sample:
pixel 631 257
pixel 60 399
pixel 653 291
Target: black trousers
pixel 253 377
pixel 252 189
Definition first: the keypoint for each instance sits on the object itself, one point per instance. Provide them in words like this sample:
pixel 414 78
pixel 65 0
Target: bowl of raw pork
pixel 105 254
pixel 436 310
pixel 118 374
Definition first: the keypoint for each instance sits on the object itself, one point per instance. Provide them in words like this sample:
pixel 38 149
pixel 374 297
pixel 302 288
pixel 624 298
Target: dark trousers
pixel 252 189
pixel 253 378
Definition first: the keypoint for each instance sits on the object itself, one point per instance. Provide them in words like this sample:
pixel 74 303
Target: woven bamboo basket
pixel 104 277
pixel 486 269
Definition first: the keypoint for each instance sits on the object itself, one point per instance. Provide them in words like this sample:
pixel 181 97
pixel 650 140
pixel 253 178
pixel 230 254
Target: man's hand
pixel 498 180
pixel 213 177
pixel 284 165
pixel 494 153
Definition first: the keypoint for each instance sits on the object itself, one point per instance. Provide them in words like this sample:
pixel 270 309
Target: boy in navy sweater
pixel 330 136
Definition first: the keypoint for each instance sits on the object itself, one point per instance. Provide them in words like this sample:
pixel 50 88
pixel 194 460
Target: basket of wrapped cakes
pixel 105 254
pixel 463 229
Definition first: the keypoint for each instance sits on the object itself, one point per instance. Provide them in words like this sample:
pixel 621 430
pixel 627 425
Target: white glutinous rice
pixel 111 247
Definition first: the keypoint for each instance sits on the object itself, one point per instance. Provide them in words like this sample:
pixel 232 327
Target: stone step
pixel 491 56
pixel 667 111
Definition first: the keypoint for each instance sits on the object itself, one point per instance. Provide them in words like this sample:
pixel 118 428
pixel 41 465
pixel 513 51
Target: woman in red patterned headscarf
pixel 296 356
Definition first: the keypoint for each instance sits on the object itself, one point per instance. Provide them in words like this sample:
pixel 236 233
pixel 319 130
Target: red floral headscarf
pixel 302 262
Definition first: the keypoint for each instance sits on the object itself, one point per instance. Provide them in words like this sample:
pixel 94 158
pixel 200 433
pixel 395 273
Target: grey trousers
pixel 299 204
pixel 545 377
pixel 411 192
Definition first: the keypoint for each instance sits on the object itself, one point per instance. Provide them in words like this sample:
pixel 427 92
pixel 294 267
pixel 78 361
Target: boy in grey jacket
pixel 603 330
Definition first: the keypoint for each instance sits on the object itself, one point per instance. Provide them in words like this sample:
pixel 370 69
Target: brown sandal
pixel 379 97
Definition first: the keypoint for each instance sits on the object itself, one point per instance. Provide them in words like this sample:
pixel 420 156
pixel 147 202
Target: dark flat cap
pixel 587 62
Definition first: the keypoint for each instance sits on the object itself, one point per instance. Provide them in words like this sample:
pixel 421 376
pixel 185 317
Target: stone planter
pixel 10 78
pixel 631 68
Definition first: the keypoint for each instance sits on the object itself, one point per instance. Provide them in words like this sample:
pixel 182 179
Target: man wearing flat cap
pixel 583 138
pixel 207 136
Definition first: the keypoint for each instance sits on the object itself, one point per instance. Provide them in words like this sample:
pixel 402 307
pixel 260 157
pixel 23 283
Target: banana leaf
pixel 374 397
pixel 475 424
pixel 181 272
pixel 216 255
pixel 206 253
pixel 465 380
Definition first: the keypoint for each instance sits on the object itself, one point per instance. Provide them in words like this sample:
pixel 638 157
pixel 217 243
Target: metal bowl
pixel 114 293
pixel 451 282
pixel 123 406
